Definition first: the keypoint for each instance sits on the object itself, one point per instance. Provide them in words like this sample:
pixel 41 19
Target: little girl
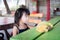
pixel 21 18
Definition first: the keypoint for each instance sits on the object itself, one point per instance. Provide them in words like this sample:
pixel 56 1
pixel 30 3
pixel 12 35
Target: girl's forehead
pixel 24 13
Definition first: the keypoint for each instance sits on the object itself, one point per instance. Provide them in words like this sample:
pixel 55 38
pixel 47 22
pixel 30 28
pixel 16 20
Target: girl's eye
pixel 26 15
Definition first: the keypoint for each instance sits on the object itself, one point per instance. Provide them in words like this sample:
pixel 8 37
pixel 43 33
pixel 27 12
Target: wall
pixel 43 6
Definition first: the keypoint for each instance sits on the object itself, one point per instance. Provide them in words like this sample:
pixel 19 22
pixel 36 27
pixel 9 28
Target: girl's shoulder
pixel 15 27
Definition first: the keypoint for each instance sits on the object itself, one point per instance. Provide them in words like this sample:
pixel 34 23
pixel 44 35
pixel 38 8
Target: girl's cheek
pixel 25 19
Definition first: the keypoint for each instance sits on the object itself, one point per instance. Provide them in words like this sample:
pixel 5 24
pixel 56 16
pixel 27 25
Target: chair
pixel 8 26
pixel 1 36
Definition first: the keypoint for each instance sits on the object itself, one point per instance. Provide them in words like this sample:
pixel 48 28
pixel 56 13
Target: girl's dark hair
pixel 19 13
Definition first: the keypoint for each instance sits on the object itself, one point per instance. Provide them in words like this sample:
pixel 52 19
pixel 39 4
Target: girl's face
pixel 24 18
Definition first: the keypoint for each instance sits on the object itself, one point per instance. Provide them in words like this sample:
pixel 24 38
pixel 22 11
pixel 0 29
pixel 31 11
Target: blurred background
pixel 40 10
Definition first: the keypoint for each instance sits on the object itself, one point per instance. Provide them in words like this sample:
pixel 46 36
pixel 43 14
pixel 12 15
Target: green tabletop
pixel 32 33
pixel 51 35
pixel 54 20
pixel 27 35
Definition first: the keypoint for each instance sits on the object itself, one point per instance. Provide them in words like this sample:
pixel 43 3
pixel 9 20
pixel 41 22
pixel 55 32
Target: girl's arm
pixel 14 31
pixel 30 27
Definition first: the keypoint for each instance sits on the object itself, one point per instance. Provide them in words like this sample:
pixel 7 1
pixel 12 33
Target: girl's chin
pixel 25 22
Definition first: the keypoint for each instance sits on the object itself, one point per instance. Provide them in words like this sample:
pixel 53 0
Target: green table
pixel 32 34
pixel 52 35
pixel 54 20
pixel 27 35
